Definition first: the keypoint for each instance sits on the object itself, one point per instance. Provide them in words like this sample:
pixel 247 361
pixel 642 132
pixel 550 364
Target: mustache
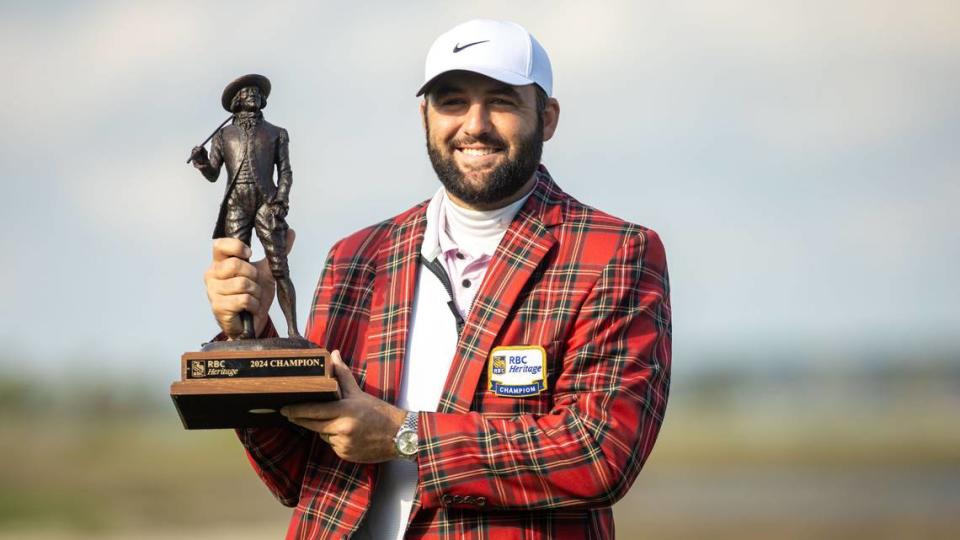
pixel 485 139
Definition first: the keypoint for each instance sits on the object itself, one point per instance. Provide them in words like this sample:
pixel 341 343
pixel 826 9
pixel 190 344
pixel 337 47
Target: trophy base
pixel 245 384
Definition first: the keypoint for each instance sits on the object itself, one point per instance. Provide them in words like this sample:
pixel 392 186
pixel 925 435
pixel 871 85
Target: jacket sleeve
pixel 609 402
pixel 212 170
pixel 279 455
pixel 284 172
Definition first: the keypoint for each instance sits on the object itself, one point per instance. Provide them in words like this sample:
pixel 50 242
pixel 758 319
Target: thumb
pixel 348 385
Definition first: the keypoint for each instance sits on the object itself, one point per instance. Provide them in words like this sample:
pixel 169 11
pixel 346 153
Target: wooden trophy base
pixel 245 383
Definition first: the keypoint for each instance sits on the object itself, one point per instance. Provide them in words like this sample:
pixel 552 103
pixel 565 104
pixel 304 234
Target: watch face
pixel 407 443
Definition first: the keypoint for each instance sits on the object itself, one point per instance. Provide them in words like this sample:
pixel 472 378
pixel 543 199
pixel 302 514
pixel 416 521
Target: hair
pixel 542 100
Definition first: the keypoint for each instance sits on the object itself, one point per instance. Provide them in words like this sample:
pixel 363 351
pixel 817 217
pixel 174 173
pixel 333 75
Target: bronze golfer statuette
pixel 244 382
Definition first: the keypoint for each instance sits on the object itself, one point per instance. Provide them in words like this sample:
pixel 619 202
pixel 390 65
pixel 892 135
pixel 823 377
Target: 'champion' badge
pixel 517 371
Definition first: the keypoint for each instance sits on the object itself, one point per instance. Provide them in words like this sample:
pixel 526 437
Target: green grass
pixel 90 473
pixel 110 475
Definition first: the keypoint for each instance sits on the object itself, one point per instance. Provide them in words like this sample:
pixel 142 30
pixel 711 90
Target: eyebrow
pixel 500 90
pixel 506 90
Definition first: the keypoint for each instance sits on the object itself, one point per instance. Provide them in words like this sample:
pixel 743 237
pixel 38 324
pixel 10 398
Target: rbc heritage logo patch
pixel 518 371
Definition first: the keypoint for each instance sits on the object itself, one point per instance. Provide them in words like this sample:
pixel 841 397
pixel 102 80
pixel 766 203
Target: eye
pixel 451 103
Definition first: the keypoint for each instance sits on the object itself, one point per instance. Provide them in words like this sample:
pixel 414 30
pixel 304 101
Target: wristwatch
pixel 406 441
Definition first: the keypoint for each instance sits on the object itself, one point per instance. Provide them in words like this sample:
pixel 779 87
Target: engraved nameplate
pixel 254 367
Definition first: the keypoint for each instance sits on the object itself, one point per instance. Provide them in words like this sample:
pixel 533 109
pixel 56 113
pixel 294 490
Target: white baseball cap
pixel 501 50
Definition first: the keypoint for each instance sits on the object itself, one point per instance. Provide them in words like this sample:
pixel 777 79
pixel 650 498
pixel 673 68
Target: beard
pixel 502 182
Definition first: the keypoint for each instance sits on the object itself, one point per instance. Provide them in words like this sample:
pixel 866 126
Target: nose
pixel 477 120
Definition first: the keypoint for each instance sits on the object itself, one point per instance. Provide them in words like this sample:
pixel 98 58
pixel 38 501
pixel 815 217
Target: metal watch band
pixel 410 422
pixel 407 431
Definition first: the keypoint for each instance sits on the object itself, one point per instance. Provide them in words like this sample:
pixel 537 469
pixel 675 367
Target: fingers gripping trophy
pixel 245 381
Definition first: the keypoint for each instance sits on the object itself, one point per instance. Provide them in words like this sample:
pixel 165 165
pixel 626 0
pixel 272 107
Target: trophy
pixel 245 382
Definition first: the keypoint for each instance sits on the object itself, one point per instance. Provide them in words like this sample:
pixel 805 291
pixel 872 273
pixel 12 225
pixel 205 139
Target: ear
pixel 551 117
pixel 423 113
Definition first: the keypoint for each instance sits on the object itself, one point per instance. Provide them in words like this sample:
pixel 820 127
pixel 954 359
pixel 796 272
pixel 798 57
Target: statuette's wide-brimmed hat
pixel 252 79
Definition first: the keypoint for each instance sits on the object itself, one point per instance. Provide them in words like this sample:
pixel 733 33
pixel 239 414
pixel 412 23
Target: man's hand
pixel 235 285
pixel 359 427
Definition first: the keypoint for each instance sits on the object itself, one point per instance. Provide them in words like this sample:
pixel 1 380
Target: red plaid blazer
pixel 588 287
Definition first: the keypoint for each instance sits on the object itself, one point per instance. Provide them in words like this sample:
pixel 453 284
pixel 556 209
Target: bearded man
pixel 505 348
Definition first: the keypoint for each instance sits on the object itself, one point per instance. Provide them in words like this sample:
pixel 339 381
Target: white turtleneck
pixel 475 232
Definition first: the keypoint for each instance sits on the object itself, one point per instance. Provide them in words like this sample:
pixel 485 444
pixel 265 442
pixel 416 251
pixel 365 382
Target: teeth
pixel 477 151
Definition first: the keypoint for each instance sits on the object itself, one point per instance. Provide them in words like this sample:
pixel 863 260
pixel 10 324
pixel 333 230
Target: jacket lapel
pixel 524 245
pixel 394 288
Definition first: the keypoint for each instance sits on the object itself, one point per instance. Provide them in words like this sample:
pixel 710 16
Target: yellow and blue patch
pixel 517 371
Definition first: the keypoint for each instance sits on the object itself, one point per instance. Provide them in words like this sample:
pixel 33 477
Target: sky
pixel 798 158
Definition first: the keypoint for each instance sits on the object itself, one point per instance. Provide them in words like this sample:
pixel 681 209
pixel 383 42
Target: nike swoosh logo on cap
pixel 457 48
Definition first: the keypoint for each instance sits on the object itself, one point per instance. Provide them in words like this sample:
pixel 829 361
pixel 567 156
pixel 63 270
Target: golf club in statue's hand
pixel 199 152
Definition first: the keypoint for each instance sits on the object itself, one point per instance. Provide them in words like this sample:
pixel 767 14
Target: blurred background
pixel 798 158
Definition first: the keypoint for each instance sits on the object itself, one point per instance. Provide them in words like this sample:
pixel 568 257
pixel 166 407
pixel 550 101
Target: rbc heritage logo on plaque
pixel 518 371
pixel 198 369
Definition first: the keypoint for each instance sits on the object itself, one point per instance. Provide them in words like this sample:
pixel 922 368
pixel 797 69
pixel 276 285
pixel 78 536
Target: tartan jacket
pixel 590 288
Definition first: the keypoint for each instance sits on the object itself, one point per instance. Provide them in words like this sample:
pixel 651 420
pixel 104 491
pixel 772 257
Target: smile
pixel 483 151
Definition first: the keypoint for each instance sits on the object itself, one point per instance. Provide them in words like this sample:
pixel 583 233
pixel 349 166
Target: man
pixel 251 148
pixel 508 346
